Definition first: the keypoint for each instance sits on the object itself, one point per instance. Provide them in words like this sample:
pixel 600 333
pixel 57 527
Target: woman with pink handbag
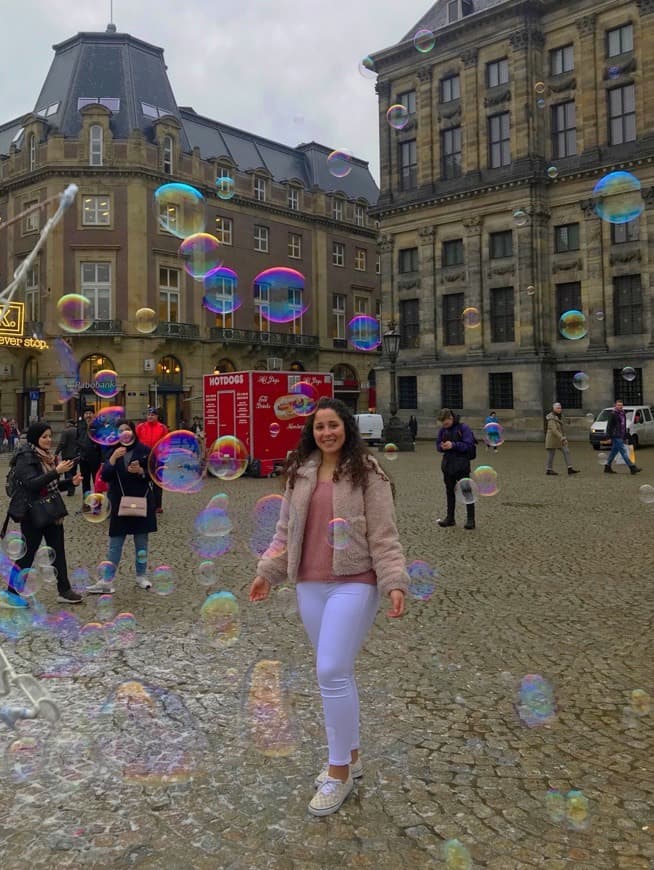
pixel 132 505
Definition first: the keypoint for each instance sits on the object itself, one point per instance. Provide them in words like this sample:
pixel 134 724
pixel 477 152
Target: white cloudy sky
pixel 286 69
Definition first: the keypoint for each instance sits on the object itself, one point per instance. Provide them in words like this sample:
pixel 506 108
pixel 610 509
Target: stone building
pixel 486 203
pixel 107 120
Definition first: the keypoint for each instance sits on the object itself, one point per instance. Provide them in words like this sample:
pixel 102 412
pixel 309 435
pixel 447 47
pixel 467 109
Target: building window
pixel 564 129
pixel 168 155
pixel 631 392
pixel 566 392
pixel 566 238
pixel 360 259
pixel 568 298
pixel 499 140
pixel 408 100
pixel 168 217
pixel 95 145
pixel 378 265
pixel 408 260
pixel 627 305
pixel 223 293
pixel 453 252
pixel 96 211
pixel 452 391
pixel 409 323
pixel 294 198
pixel 497 73
pixel 452 11
pixel 295 246
pixel 407 392
pixel 32 220
pixel 259 188
pixel 32 294
pixel 261 238
pixel 502 315
pixel 408 165
pixel 620 40
pixel 338 254
pixel 296 308
pixel 359 215
pixel 622 115
pixel 95 284
pixel 453 305
pixel 501 244
pixel 337 209
pixel 500 389
pixel 362 305
pixel 168 294
pixel 338 311
pixel 629 232
pixel 262 307
pixel 450 89
pixel 32 151
pixel 451 153
pixel 562 60
pixel 224 230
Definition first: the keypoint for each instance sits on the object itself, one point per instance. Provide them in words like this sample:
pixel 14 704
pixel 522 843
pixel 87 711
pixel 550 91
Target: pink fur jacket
pixel 374 540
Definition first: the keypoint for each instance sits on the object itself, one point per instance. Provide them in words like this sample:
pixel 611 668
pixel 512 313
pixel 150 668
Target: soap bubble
pixel 339 533
pixel 225 187
pixel 471 318
pixel 180 209
pixel 200 254
pixel 105 384
pixel 306 398
pixel 146 320
pixel 367 68
pixel 493 435
pixel 599 315
pixel 207 573
pixel 552 172
pixel 641 702
pixel 103 428
pixel 486 479
pixel 227 458
pixel 339 163
pixel 221 291
pixel 99 507
pixel 284 293
pixel 121 631
pixel 397 116
pixel 80 580
pixel 646 494
pixel 265 516
pixel 14 545
pixel 175 462
pixel 536 704
pixel 213 522
pixel 539 87
pixel 520 217
pixel 105 572
pixel 163 580
pixel 540 104
pixel 422 580
pixel 391 452
pixel 531 290
pixel 617 197
pixel 74 313
pixel 364 332
pixel 572 325
pixel 105 608
pixel 274 429
pixel 220 620
pixel 577 810
pixel 581 381
pixel 424 40
pixel 456 856
pixel 629 373
pixel 269 722
pixel 26 582
pixel 466 491
pixel 44 556
pixel 92 640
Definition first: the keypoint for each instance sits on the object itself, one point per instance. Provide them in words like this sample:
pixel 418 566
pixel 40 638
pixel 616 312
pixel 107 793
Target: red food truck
pixel 262 410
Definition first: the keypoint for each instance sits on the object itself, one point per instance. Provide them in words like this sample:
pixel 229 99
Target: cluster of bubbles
pixel 422 580
pixel 571 809
pixel 536 703
pixel 269 724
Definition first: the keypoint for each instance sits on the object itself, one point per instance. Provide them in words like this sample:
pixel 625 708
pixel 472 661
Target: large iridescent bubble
pixel 175 463
pixel 279 294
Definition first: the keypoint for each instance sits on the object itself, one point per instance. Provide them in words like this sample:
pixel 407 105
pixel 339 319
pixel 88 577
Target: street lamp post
pixel 396 432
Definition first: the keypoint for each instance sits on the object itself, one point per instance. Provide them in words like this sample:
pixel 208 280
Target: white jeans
pixel 337 617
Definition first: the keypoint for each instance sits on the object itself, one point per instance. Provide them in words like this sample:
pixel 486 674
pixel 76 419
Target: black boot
pixel 634 469
pixel 608 469
pixel 470 516
pixel 451 504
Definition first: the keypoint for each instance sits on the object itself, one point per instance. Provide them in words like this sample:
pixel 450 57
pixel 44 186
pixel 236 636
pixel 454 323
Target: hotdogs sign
pixel 12 326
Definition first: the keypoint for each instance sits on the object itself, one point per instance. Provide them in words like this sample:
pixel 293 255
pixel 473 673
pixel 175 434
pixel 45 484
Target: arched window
pixel 167 151
pixel 169 372
pixel 32 151
pixel 344 375
pixel 31 373
pixel 95 145
pixel 224 365
pixel 91 365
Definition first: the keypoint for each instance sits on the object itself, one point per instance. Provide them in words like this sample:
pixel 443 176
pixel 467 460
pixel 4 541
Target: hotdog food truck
pixel 266 410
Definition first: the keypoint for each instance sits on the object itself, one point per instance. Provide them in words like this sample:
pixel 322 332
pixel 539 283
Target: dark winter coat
pixel 67 447
pixel 88 450
pixel 616 425
pixel 457 459
pixel 133 484
pixel 29 471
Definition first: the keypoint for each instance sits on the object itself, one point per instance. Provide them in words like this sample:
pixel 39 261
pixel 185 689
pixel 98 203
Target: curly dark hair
pixel 356 460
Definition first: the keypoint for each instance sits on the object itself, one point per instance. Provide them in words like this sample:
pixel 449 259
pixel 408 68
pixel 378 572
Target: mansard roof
pixel 436 17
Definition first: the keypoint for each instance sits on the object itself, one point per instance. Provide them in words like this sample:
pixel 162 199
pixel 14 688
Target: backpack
pixel 19 502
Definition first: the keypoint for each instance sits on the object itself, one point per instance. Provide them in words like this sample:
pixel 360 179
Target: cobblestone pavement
pixel 556 580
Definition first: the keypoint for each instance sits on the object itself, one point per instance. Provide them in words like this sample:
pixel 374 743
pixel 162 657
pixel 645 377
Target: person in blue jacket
pixel 456 441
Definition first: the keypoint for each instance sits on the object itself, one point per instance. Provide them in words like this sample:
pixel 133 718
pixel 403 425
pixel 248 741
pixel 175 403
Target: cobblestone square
pixel 556 580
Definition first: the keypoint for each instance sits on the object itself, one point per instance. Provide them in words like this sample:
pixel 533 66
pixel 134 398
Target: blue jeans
pixel 140 543
pixel 617 446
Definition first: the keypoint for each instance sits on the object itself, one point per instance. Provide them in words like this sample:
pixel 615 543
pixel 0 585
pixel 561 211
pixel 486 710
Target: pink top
pixel 317 552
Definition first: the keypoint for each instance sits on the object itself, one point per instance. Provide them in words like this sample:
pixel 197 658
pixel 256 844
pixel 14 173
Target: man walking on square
pixel 149 432
pixel 555 440
pixel 616 430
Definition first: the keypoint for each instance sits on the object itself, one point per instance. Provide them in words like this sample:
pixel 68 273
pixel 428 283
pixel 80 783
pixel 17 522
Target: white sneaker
pixel 100 589
pixel 330 796
pixel 356 772
pixel 142 582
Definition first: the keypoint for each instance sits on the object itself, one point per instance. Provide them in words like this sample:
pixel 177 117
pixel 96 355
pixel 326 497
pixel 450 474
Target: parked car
pixel 371 427
pixel 640 425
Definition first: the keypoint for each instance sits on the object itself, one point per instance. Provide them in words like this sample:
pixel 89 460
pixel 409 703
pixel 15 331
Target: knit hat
pixel 35 431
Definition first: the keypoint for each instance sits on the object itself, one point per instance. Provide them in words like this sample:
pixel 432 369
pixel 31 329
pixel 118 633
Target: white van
pixel 371 427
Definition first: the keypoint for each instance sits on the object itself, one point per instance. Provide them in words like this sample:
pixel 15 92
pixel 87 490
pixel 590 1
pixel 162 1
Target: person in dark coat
pixel 126 472
pixel 413 427
pixel 67 448
pixel 617 431
pixel 456 442
pixel 89 452
pixel 40 474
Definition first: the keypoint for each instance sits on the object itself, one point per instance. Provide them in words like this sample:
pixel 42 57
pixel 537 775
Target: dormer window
pixel 32 151
pixel 453 11
pixel 95 145
pixel 259 188
pixel 168 155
